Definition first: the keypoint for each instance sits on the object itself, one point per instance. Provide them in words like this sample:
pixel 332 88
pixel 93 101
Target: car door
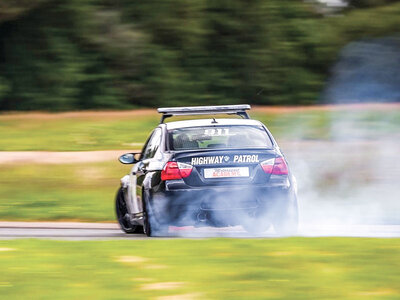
pixel 148 155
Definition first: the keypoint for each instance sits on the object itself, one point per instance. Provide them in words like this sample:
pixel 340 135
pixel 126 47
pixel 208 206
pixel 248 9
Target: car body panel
pixel 187 200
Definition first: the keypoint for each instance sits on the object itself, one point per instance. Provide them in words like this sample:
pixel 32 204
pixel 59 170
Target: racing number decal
pixel 217 131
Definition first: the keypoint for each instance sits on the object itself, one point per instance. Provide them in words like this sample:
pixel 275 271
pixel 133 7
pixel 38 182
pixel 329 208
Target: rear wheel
pixel 123 216
pixel 256 222
pixel 152 226
pixel 286 220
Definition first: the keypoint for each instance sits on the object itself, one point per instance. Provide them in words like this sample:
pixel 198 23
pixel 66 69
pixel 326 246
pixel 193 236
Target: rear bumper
pixel 274 182
pixel 180 205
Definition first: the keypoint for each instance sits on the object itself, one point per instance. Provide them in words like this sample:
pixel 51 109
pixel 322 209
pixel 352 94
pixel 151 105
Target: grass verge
pixel 295 268
pixel 129 129
pixel 59 192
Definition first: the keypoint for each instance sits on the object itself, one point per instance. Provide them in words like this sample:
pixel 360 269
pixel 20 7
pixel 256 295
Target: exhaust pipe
pixel 202 216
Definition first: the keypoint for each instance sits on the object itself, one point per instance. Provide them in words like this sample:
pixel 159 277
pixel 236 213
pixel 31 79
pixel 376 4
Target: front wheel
pixel 122 214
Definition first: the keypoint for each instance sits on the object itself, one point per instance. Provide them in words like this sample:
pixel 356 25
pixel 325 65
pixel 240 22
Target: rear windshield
pixel 221 137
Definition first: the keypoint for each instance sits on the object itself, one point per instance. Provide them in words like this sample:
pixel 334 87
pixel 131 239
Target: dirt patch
pixel 3 249
pixel 146 112
pixel 161 286
pixel 132 259
pixel 47 157
pixel 139 261
pixel 182 297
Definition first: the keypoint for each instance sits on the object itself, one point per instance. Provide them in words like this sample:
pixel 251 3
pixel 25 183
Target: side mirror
pixel 128 158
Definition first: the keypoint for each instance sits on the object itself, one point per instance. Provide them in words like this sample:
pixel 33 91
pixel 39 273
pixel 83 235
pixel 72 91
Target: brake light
pixel 185 169
pixel 176 170
pixel 280 167
pixel 275 166
pixel 268 165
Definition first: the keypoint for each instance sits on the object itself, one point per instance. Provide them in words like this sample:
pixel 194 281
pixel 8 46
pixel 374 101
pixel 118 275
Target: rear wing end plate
pixel 239 110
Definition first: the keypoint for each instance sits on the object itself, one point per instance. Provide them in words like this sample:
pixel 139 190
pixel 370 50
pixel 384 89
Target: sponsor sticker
pixel 226 172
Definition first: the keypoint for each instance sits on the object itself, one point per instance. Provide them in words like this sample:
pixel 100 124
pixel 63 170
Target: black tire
pixel 286 220
pixel 152 226
pixel 121 212
pixel 257 222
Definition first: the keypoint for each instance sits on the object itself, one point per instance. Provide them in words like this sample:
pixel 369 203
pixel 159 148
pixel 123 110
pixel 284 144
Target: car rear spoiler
pixel 239 110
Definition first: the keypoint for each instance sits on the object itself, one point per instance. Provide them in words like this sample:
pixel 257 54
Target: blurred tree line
pixel 81 54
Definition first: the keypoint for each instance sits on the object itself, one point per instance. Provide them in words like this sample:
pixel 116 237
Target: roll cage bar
pixel 239 110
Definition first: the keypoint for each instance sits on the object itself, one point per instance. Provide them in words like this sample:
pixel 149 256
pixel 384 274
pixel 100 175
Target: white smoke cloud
pixel 351 179
pixel 347 184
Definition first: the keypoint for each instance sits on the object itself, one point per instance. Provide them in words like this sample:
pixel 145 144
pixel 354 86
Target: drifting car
pixel 208 172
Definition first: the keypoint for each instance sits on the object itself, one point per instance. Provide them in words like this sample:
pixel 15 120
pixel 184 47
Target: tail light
pixel 176 170
pixel 185 169
pixel 275 166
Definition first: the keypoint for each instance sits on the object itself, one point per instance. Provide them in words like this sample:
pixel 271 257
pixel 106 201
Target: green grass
pixel 295 268
pixel 63 132
pixel 85 191
pixel 128 130
pixel 59 192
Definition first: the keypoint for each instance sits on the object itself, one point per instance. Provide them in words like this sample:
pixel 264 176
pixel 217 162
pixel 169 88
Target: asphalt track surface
pixel 106 231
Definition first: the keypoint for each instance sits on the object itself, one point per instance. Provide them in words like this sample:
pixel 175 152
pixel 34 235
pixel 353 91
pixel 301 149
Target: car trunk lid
pixel 225 166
